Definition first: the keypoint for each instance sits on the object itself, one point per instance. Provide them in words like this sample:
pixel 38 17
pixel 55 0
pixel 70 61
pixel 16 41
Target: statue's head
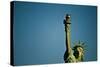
pixel 79 50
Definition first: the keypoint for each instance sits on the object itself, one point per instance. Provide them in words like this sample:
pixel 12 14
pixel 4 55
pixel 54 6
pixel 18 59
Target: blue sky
pixel 39 36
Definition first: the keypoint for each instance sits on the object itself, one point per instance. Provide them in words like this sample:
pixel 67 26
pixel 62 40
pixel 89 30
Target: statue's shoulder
pixel 70 58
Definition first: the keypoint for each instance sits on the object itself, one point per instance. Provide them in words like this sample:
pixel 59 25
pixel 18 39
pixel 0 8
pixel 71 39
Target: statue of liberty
pixel 76 53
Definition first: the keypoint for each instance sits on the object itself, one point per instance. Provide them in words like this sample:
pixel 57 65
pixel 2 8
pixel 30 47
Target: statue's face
pixel 78 52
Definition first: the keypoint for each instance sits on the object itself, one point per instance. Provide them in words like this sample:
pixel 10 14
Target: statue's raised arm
pixel 67 32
